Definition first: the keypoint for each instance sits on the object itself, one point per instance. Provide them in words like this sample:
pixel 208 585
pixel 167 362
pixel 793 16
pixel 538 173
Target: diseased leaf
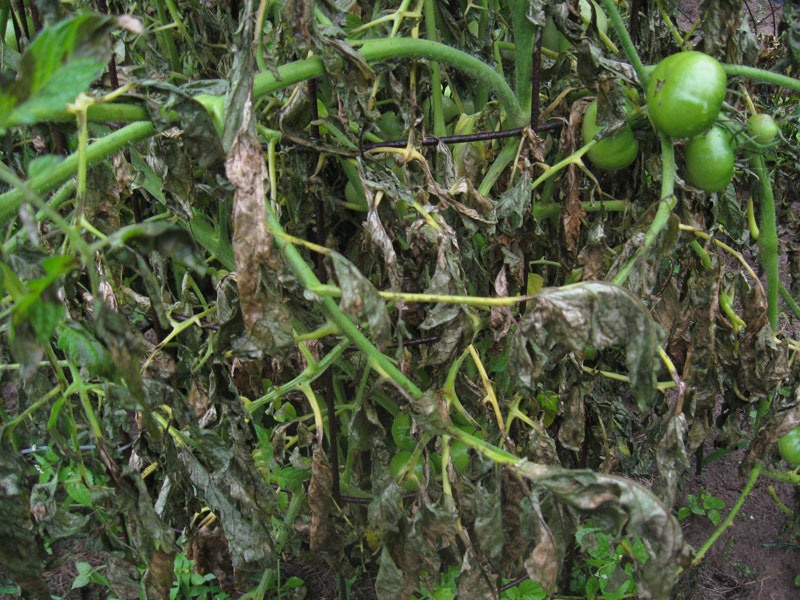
pixel 622 508
pixel 599 314
pixel 360 299
pixel 266 316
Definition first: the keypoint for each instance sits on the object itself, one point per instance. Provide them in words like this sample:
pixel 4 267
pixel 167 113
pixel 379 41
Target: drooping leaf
pixel 560 320
pixel 360 299
pixel 622 509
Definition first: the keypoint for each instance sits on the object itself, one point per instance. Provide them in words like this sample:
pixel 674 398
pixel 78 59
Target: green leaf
pixel 60 64
pixel 43 164
pixel 80 493
pixel 84 575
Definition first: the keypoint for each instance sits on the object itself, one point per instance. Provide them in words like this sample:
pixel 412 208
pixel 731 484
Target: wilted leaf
pixel 360 299
pixel 623 508
pixel 600 314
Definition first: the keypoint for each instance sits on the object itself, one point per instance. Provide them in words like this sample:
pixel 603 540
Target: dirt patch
pixel 764 15
pixel 754 557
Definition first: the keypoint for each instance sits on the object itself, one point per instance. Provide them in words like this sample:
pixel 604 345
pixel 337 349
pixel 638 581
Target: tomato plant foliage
pixel 248 274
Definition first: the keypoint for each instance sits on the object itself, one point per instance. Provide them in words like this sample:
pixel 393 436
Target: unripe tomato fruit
pixel 709 160
pixel 459 455
pixel 401 432
pixel 789 445
pixel 762 128
pixel 612 153
pixel 399 461
pixel 685 93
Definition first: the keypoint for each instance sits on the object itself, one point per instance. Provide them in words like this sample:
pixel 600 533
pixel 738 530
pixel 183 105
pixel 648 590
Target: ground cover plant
pixel 355 287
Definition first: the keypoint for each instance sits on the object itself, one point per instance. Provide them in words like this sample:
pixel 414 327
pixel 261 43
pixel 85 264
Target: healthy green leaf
pixel 60 64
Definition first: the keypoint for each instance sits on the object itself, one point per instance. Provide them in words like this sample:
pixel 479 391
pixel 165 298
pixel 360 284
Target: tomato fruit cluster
pixel 685 93
pixel 611 153
pixel 789 445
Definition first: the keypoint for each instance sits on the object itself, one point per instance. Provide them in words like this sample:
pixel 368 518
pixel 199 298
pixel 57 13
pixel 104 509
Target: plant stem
pixel 436 77
pixel 625 40
pixel 386 49
pixel 41 184
pixel 787 297
pixel 665 206
pixel 379 361
pixel 762 75
pixel 524 40
pixel 768 237
pixel 166 37
pixel 751 481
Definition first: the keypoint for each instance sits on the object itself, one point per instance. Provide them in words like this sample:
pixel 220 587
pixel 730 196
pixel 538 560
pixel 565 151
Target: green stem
pixel 762 75
pixel 524 40
pixel 166 37
pixel 768 237
pixel 104 147
pixel 308 376
pixel 386 49
pixel 625 40
pixel 751 481
pixel 439 129
pixel 787 297
pixel 377 360
pixel 665 206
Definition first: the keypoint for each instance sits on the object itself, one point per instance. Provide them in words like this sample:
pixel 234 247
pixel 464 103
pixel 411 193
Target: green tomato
pixel 398 462
pixel 449 109
pixel 789 446
pixel 709 160
pixel 215 107
pixel 554 40
pixel 685 93
pixel 612 153
pixel 391 126
pixel 762 128
pixel 459 454
pixel 401 432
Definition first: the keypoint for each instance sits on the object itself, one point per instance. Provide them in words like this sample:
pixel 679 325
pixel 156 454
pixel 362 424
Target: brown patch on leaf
pixel 572 212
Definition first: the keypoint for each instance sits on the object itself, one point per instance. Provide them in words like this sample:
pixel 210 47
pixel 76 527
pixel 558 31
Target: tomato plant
pixel 709 160
pixel 789 446
pixel 685 93
pixel 762 128
pixel 613 152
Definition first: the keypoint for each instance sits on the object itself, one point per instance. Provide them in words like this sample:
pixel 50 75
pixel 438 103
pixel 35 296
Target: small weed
pixel 704 504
